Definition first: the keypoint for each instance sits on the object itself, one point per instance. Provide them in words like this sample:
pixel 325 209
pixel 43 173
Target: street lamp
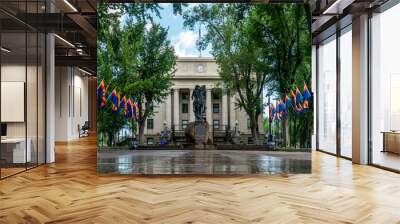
pixel 269 120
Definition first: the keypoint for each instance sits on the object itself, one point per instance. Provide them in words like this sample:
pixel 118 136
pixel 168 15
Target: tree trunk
pixel 133 131
pixel 141 132
pixel 283 133
pixel 110 138
pixel 295 133
pixel 287 134
pixel 253 126
pixel 104 134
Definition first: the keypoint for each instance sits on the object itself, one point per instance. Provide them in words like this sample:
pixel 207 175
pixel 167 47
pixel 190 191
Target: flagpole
pixel 115 124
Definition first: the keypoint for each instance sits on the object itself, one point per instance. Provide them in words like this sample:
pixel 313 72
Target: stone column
pixel 50 94
pixel 176 109
pixel 224 111
pixel 209 107
pixel 168 112
pixel 314 87
pixel 191 113
pixel 360 90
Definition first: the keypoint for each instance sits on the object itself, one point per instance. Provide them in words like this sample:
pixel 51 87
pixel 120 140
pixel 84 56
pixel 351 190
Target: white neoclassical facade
pixel 177 109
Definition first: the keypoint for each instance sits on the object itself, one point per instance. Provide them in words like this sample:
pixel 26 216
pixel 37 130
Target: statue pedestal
pixel 198 132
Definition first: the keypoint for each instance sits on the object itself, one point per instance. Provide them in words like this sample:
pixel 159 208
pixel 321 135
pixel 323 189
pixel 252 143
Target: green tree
pixel 259 46
pixel 283 31
pixel 244 68
pixel 107 62
pixel 151 81
pixel 134 60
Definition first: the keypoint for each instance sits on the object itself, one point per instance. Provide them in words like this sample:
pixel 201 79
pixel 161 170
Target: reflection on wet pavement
pixel 203 162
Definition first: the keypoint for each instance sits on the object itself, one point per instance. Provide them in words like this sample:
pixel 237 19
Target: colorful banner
pixel 118 104
pixel 298 101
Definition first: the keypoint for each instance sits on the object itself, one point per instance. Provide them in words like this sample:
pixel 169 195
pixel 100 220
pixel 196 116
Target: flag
pixel 118 102
pixel 133 110
pixel 306 93
pixel 114 100
pixel 278 110
pixel 101 95
pixel 136 111
pixel 103 100
pixel 293 96
pixel 123 104
pixel 305 106
pixel 299 108
pixel 273 112
pixel 288 102
pixel 282 106
pixel 129 110
pixel 299 101
pixel 299 97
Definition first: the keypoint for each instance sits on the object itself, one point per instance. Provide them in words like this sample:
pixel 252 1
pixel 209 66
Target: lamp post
pixel 236 125
pixel 269 120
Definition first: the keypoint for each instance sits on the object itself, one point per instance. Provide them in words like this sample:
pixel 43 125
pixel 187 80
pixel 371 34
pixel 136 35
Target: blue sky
pixel 183 40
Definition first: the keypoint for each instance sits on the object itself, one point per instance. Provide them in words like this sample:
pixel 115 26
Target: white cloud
pixel 192 5
pixel 164 5
pixel 117 11
pixel 109 10
pixel 148 26
pixel 185 43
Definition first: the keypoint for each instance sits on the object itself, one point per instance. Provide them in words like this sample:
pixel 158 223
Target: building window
pixel 150 123
pixel 248 123
pixel 150 141
pixel 216 108
pixel 385 89
pixel 346 92
pixel 184 124
pixel 185 96
pixel 185 108
pixel 327 95
pixel 215 124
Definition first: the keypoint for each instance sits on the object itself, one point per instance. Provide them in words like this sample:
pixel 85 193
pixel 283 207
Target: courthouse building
pixel 176 111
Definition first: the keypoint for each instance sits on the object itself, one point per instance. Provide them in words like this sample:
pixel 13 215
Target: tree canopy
pixel 258 47
pixel 134 58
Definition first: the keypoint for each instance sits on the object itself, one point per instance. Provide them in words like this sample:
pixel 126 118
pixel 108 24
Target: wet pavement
pixel 203 162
